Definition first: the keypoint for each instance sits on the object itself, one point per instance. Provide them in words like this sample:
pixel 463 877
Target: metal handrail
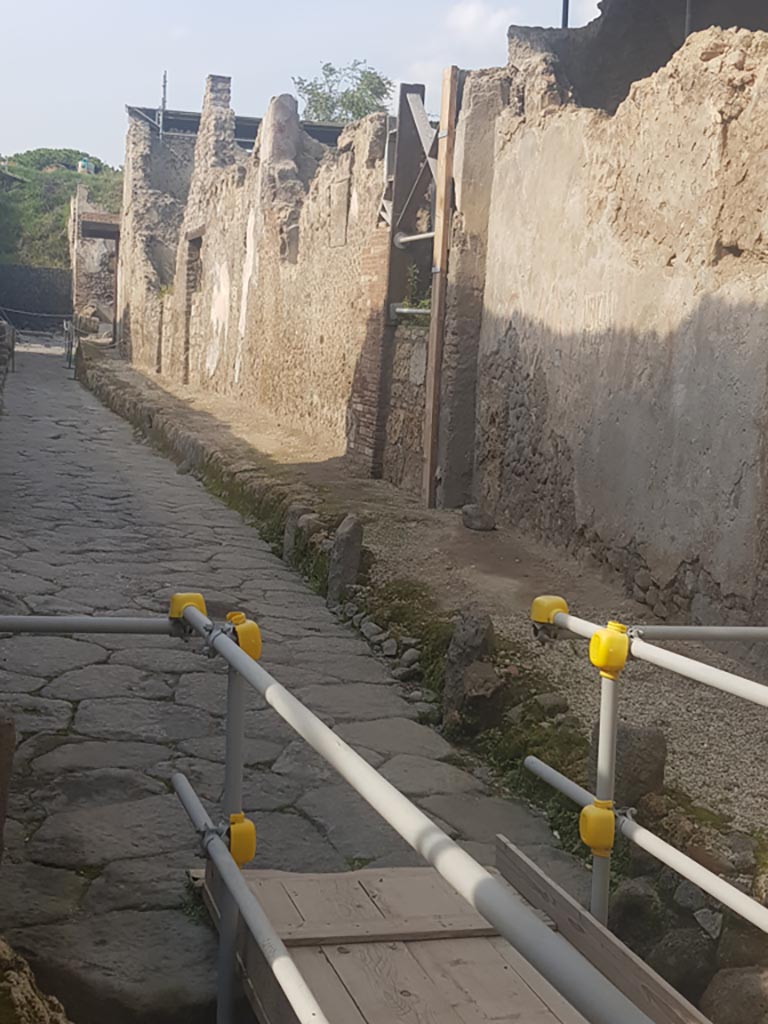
pixel 565 968
pixel 610 649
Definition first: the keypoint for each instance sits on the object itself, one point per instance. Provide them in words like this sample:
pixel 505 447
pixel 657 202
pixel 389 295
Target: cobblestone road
pixel 93 878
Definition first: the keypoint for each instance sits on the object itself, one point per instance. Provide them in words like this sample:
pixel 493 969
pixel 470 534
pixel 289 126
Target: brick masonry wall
pixel 287 307
pixel 404 449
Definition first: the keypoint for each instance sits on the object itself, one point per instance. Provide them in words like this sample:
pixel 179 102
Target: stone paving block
pixel 419 776
pixel 141 965
pixel 47 655
pixel 265 791
pixel 74 755
pixel 97 835
pixel 354 828
pixel 97 787
pixel 208 690
pixel 107 681
pixel 147 883
pixel 34 894
pixel 23 584
pixel 396 736
pixel 159 661
pixel 213 748
pixel 152 720
pixel 288 842
pixel 299 761
pixel 15 682
pixel 37 714
pixel 482 818
pixel 354 702
pixel 347 667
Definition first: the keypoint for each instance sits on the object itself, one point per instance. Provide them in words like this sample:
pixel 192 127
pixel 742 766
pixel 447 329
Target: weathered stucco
pixel 276 292
pixel 622 372
pixel 92 260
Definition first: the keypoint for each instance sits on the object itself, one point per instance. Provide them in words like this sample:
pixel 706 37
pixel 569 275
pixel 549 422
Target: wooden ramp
pixel 389 946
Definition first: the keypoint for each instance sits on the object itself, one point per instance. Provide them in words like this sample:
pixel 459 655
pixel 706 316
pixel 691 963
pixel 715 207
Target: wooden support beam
pixel 642 986
pixel 443 212
pixel 427 134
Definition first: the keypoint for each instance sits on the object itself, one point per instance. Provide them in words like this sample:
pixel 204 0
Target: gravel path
pixel 718 744
pixel 96 846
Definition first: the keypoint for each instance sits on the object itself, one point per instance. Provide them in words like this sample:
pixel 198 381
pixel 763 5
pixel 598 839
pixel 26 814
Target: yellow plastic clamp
pixel 181 601
pixel 609 649
pixel 545 608
pixel 597 827
pixel 242 839
pixel 247 633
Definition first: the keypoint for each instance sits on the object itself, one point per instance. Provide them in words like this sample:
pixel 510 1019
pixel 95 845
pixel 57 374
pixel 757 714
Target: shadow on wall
pixel 631 40
pixel 646 450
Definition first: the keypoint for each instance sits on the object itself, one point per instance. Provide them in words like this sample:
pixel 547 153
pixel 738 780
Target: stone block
pixel 737 996
pixel 685 957
pixel 295 512
pixel 475 518
pixel 345 558
pixel 473 638
pixel 641 757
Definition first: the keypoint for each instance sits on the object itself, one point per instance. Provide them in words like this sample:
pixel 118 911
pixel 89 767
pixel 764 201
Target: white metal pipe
pixel 744 634
pixel 558 781
pixel 286 973
pixel 233 758
pixel 88 624
pixel 402 240
pixel 706 674
pixel 606 778
pixel 581 627
pixel 565 968
pixel 711 883
pixel 739 902
pixel 747 689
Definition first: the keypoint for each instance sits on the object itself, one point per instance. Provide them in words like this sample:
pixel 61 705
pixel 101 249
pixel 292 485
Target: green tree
pixel 34 212
pixel 340 95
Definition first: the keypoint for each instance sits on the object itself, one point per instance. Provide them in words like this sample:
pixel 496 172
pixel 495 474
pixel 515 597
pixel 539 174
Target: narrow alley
pixel 96 844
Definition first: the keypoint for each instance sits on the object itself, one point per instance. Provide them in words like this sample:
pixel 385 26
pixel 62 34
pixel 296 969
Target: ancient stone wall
pixel 631 40
pixel 92 260
pixel 622 366
pixel 405 419
pixel 156 183
pixel 277 290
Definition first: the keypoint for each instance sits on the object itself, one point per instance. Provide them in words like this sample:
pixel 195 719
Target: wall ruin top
pixel 629 41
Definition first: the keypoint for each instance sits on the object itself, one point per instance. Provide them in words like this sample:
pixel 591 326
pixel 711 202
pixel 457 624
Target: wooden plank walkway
pixel 387 946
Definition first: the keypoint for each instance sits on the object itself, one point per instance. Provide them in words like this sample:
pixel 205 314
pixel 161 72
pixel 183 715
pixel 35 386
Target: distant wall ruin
pixel 264 274
pixel 93 260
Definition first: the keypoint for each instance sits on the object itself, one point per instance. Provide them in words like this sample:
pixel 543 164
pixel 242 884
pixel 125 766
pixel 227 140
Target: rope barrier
pixel 29 312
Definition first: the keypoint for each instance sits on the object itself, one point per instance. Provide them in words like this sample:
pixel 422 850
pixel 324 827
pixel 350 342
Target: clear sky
pixel 68 69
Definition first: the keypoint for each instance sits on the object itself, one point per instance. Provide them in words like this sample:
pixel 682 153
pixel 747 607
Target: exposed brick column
pixel 369 400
